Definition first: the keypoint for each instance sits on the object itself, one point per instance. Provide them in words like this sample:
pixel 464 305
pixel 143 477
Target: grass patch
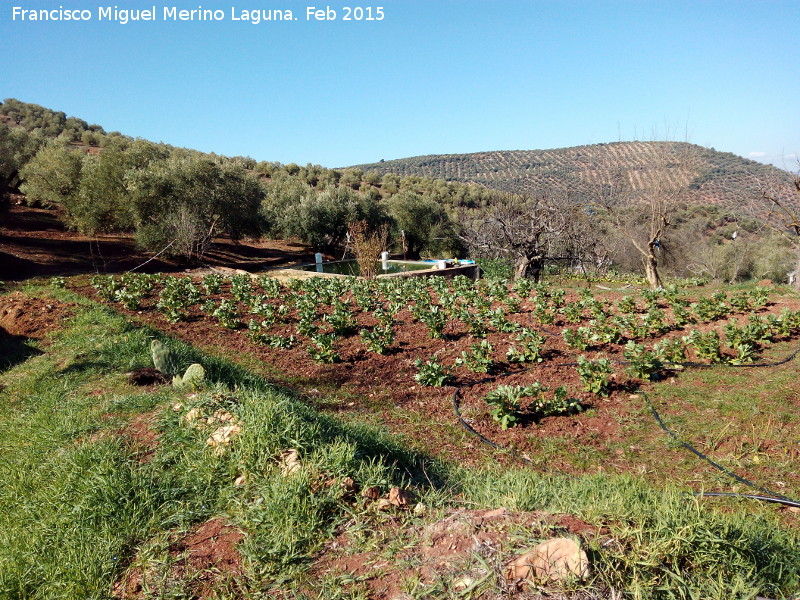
pixel 78 506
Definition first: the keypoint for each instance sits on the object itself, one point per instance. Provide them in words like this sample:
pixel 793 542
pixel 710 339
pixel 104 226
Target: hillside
pixel 718 178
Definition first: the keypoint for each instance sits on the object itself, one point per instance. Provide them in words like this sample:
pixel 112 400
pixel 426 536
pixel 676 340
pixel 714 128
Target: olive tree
pixel 103 202
pixel 527 230
pixel 423 222
pixel 180 204
pixel 642 202
pixel 52 177
pixel 779 204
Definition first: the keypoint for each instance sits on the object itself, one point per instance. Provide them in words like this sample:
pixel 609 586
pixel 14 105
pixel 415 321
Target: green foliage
pixel 106 286
pixel 427 227
pixel 212 283
pixel 193 378
pixel 478 359
pixel 706 345
pixel 17 147
pixel 341 320
pixel 497 268
pixel 176 297
pixel 505 403
pixel 322 219
pixel 573 312
pixel 595 375
pixel 164 359
pixel 227 313
pixel 644 363
pixel 322 349
pixel 181 203
pixel 431 372
pixel 434 318
pixel 627 305
pixel 241 287
pixel 52 177
pixel 379 339
pixel 528 348
pixel 579 338
pixel 710 309
pixel 670 350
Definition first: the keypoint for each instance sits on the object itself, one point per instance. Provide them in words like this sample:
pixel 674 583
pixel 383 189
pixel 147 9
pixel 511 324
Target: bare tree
pixel 782 205
pixel 642 202
pixel 526 230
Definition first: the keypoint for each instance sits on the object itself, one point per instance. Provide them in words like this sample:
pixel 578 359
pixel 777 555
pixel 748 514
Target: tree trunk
pixel 651 272
pixel 796 282
pixel 528 267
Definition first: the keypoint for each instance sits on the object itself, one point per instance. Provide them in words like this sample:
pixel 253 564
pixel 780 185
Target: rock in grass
pixel 557 559
pixel 290 462
pixel 399 498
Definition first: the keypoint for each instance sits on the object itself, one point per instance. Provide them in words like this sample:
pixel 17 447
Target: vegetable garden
pixel 548 372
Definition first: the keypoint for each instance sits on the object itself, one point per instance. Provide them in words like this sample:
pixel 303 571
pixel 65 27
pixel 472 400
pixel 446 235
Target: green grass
pixel 78 506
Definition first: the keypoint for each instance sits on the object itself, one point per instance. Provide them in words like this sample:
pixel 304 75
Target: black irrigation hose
pixel 778 497
pixel 772 497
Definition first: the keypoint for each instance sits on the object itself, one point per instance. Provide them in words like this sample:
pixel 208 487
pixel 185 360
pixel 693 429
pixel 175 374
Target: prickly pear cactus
pixel 163 358
pixel 194 377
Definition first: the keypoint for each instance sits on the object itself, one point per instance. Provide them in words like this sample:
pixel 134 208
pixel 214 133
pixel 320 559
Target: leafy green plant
pixel 604 331
pixel 241 286
pixel 577 338
pixel 270 285
pixel 595 375
pixel 504 402
pixel 655 321
pixel 680 314
pixel 478 359
pixel 106 286
pixel 626 305
pixel 176 297
pixel 560 403
pixel 431 372
pixel 644 363
pixel 322 349
pixel 528 348
pixel 435 320
pixel 741 301
pixel 212 283
pixel 474 322
pixel 341 320
pixel 710 309
pixel 500 322
pixel 573 313
pixel 670 350
pixel 706 345
pixel 227 314
pixel 378 339
pixel 759 297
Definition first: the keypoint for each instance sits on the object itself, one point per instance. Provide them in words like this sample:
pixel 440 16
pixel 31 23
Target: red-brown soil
pixel 25 316
pixel 203 556
pixel 34 242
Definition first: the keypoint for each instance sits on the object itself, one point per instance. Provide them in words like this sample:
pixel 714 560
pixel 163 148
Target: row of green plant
pixel 482 308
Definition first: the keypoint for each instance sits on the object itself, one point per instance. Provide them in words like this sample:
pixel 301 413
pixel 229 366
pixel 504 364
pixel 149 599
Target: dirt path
pixel 35 243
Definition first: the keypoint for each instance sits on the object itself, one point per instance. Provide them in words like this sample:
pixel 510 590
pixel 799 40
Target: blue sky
pixel 434 76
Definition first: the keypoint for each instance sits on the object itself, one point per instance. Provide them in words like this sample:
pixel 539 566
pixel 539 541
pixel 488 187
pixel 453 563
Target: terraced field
pixel 718 178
